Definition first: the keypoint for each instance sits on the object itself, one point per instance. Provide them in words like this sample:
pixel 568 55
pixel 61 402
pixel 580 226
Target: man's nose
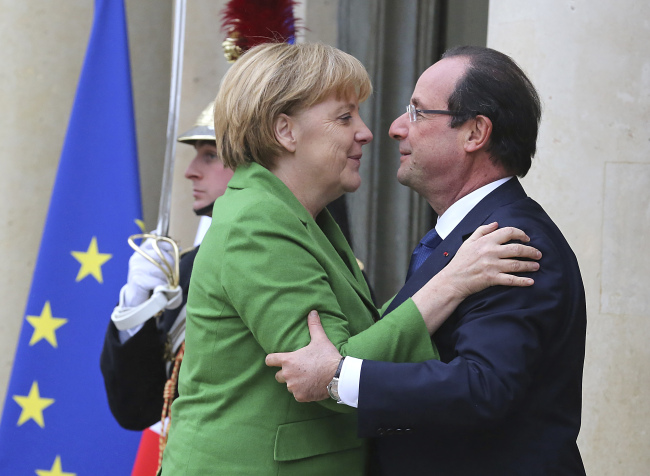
pixel 399 128
pixel 191 170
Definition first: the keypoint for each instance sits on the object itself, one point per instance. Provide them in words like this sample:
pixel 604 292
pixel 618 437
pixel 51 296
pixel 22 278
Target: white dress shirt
pixel 351 369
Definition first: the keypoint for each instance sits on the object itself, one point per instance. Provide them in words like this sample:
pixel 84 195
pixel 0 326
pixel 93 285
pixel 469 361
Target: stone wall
pixel 591 64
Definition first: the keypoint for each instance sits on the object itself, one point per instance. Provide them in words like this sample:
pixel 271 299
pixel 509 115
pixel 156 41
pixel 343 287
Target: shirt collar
pixel 459 209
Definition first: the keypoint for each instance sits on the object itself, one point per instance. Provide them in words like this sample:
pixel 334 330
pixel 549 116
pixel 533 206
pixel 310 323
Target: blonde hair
pixel 272 79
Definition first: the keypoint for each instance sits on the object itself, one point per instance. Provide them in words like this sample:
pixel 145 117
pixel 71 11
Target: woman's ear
pixel 284 132
pixel 479 133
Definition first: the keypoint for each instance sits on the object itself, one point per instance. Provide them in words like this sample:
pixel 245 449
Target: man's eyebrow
pixel 415 102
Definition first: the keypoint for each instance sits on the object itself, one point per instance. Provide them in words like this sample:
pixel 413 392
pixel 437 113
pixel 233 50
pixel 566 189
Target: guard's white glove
pixel 145 276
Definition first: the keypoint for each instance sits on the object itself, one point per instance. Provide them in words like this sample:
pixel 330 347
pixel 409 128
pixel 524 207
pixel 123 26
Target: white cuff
pixel 349 381
pixel 163 297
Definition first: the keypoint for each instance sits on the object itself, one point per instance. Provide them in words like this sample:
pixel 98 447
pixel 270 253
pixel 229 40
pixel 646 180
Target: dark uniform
pixel 135 372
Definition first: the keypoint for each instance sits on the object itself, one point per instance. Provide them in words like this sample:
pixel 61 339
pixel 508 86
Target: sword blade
pixel 162 228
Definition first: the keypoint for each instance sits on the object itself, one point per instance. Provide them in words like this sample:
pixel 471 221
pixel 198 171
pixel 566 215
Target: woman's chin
pixel 352 185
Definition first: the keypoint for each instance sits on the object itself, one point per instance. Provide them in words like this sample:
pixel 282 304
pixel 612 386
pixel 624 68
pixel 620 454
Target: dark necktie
pixel 423 250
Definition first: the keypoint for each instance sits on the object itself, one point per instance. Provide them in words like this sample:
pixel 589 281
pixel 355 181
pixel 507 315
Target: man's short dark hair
pixel 200 142
pixel 496 87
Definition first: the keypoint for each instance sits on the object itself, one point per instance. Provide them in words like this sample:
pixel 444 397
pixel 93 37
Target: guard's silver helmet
pixel 203 129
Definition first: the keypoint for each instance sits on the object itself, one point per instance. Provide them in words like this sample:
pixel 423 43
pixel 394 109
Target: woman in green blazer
pixel 287 120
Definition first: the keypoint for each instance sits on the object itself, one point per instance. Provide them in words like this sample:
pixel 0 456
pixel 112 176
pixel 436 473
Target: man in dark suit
pixel 505 396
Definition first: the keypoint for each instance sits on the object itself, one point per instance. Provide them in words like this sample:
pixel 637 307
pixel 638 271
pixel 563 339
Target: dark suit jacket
pixel 135 372
pixel 505 399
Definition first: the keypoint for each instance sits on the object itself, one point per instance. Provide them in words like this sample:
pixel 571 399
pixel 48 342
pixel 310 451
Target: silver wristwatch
pixel 333 386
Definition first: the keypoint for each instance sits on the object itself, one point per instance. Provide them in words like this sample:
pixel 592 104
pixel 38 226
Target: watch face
pixel 333 389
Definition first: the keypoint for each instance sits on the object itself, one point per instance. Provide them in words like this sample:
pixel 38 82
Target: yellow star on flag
pixel 55 471
pixel 45 325
pixel 140 224
pixel 33 406
pixel 91 261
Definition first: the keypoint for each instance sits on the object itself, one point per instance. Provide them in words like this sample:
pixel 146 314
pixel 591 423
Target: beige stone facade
pixel 591 64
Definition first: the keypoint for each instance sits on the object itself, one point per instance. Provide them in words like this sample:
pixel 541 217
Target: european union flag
pixel 56 419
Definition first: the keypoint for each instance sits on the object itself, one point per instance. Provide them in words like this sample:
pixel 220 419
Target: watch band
pixel 333 386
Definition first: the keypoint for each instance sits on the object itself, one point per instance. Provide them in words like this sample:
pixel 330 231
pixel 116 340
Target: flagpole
pixel 162 228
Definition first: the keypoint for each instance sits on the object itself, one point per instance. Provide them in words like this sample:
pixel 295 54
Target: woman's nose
pixel 364 136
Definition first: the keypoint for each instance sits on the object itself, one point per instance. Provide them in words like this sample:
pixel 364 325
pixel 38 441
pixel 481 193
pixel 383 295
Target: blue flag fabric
pixel 56 419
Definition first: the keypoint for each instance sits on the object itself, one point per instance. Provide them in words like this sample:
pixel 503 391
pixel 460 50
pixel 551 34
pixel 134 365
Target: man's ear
pixel 479 134
pixel 284 132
